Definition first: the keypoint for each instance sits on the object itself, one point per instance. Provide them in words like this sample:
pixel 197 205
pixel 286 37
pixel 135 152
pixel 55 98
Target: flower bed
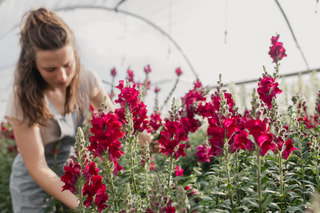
pixel 212 157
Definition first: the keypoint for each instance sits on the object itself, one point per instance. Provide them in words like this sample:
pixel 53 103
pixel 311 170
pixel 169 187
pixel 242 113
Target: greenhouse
pixel 209 106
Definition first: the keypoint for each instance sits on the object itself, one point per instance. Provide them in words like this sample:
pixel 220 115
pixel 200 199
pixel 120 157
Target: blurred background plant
pixel 8 151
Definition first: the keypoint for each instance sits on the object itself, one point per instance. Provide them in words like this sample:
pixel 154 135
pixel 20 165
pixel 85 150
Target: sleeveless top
pixel 58 138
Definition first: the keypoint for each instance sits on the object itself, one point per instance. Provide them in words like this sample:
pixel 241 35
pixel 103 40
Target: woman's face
pixel 57 67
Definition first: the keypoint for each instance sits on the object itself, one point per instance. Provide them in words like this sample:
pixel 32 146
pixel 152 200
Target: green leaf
pixel 251 202
pixel 267 201
pixel 205 198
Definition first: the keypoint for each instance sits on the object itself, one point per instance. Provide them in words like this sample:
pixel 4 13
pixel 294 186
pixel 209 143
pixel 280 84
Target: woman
pixel 50 99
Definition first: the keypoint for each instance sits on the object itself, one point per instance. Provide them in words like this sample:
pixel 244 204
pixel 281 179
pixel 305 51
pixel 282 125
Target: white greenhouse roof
pixel 204 38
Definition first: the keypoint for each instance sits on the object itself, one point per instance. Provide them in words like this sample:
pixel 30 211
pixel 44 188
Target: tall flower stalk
pixel 258 161
pixel 229 184
pixel 178 72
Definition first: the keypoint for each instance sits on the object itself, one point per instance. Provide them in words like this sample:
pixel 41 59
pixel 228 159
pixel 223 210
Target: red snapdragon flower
pixel 113 72
pixel 130 75
pixel 318 103
pixel 6 130
pixel 306 122
pixel 170 209
pixel 178 71
pixel 171 137
pixel 277 51
pixel 266 143
pixel 241 141
pixel 192 102
pixel 260 131
pixel 256 128
pixel 92 187
pixel 147 69
pixel 179 171
pixel 268 89
pixel 155 121
pixel 216 139
pixel 216 101
pixel 106 131
pixel 71 175
pixel 152 167
pixel 203 153
pixel 156 89
pixel 101 198
pixel 288 149
pixel 90 170
pixel 280 142
pixel 128 99
pixel 231 125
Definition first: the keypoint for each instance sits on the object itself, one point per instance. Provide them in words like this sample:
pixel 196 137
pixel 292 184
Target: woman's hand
pixel 145 137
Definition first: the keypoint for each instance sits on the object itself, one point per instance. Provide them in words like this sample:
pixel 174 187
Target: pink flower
pixel 178 71
pixel 203 153
pixel 113 72
pixel 152 167
pixel 147 69
pixel 130 76
pixel 288 149
pixel 187 188
pixel 157 90
pixel 268 89
pixel 277 51
pixel 179 171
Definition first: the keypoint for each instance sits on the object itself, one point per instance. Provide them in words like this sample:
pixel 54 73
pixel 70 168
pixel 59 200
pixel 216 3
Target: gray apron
pixel 27 195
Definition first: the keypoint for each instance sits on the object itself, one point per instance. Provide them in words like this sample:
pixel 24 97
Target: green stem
pixel 110 180
pixel 317 174
pixel 146 184
pixel 259 179
pixel 112 86
pixel 217 196
pixel 112 187
pixel 80 194
pixel 132 145
pixel 170 170
pixel 229 186
pixel 237 179
pixel 281 182
pixel 302 172
pixel 170 94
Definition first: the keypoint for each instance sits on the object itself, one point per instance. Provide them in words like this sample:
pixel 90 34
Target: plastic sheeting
pixel 204 38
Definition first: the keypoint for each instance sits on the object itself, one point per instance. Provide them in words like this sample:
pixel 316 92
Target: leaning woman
pixel 51 96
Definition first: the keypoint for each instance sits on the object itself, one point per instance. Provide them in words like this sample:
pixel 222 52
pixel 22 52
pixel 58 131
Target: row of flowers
pixel 258 161
pixel 212 158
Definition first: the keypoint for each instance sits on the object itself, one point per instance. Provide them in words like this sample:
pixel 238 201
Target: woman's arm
pixel 31 148
pixel 97 100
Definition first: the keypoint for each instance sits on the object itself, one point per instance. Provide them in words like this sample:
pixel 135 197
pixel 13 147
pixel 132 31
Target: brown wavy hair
pixel 42 30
